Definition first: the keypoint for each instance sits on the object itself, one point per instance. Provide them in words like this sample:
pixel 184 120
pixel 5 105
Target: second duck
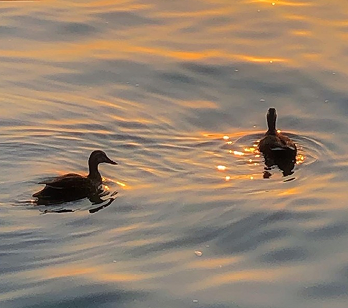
pixel 277 148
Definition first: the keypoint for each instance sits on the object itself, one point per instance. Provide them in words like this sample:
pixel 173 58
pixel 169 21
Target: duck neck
pixel 271 122
pixel 94 174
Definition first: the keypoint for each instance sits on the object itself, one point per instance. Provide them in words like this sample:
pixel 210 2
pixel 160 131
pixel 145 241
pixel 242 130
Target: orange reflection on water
pixel 237 153
pixel 221 168
pixel 250 150
pixel 301 33
pixel 108 276
pixel 252 275
pixel 121 184
pixel 289 192
pixel 126 49
pixel 284 3
pixel 104 273
pixel 252 156
pixel 123 5
pixel 262 60
pixel 66 271
pixel 300 158
pixel 247 151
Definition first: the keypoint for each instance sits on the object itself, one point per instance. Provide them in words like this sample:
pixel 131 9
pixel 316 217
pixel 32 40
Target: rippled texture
pixel 175 92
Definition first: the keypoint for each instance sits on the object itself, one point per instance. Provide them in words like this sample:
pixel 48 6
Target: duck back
pixel 65 188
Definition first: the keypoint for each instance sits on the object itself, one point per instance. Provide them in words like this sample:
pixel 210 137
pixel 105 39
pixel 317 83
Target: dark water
pixel 175 92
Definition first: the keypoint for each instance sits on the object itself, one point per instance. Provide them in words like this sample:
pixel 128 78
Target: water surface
pixel 176 93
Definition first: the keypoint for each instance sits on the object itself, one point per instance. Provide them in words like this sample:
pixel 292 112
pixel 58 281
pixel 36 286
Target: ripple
pixel 244 149
pixel 154 85
pixel 290 254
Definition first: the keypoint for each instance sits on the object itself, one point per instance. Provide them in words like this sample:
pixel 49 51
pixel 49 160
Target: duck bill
pixel 109 161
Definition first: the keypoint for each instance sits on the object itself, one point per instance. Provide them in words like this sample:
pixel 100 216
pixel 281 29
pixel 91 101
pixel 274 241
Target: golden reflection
pixel 66 271
pixel 283 3
pixel 121 184
pixel 251 150
pixel 247 151
pixel 194 103
pixel 301 33
pixel 300 158
pixel 108 276
pixel 251 275
pixel 124 49
pixel 253 157
pixel 197 13
pixel 262 60
pixel 99 272
pixel 237 153
pixel 289 192
pixel 221 168
pixel 124 5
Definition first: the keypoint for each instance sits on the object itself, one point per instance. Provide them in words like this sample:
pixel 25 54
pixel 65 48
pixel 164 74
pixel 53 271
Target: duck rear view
pixel 72 186
pixel 277 148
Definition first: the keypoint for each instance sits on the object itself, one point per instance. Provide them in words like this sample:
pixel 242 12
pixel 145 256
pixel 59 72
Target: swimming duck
pixel 73 186
pixel 277 148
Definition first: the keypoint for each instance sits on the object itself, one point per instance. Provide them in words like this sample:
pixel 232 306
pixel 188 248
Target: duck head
pixel 271 120
pixel 97 157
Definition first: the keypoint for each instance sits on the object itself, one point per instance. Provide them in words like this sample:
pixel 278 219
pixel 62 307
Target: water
pixel 170 90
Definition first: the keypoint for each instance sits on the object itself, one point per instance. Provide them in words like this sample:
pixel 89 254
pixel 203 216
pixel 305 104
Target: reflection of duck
pixel 276 148
pixel 73 186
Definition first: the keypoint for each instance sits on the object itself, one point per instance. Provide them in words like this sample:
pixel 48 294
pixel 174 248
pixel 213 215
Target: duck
pixel 73 186
pixel 277 148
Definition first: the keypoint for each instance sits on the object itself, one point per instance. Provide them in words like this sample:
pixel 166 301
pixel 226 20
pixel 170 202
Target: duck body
pixel 72 186
pixel 277 148
pixel 277 144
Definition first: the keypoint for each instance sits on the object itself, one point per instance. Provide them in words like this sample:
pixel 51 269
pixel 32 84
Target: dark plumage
pixel 277 148
pixel 73 186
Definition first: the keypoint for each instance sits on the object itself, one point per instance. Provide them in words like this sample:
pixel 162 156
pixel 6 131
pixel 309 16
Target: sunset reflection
pixel 221 168
pixel 300 158
pixel 176 92
pixel 237 153
pixel 283 3
pixel 99 272
pixel 250 156
pixel 121 184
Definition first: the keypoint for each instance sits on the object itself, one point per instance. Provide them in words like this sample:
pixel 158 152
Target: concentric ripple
pixel 244 148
